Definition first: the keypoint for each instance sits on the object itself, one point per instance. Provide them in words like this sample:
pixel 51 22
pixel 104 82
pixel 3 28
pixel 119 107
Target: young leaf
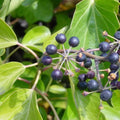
pixel 9 73
pixel 7 36
pixel 36 37
pixel 19 104
pixel 91 18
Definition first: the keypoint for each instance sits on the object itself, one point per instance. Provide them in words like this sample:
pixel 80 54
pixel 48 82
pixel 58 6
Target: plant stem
pixel 11 54
pixel 50 82
pixel 97 74
pixel 31 65
pixel 39 92
pixel 52 107
pixel 24 80
pixel 36 79
pixel 28 49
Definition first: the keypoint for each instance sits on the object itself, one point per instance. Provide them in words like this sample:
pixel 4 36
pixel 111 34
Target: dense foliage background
pixel 34 24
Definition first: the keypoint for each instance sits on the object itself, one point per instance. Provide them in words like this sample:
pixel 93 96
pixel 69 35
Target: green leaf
pixel 9 73
pixel 7 36
pixel 4 9
pixel 51 39
pixel 13 5
pixel 36 11
pixel 19 104
pixel 88 107
pixel 57 89
pixel 112 113
pixel 90 19
pixel 2 51
pixel 35 37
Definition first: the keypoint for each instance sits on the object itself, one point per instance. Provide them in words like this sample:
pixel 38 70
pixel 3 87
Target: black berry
pixel 81 57
pixel 87 63
pixel 104 46
pixel 113 58
pixel 82 85
pixel 82 77
pixel 118 84
pixel 114 67
pixel 46 60
pixel 60 38
pixel 90 74
pixel 117 35
pixel 57 75
pixel 106 95
pixel 51 49
pixel 74 41
pixel 93 85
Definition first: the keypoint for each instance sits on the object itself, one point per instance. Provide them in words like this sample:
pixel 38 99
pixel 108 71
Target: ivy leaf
pixel 14 4
pixel 38 10
pixel 7 36
pixel 4 9
pixel 87 107
pixel 19 104
pixel 90 19
pixel 9 73
pixel 35 37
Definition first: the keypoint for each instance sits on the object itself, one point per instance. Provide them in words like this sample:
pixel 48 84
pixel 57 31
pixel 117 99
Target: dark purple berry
pixel 46 60
pixel 117 35
pixel 74 41
pixel 93 85
pixel 82 77
pixel 57 75
pixel 105 95
pixel 113 58
pixel 114 67
pixel 118 52
pixel 90 74
pixel 81 57
pixel 87 63
pixel 82 85
pixel 118 84
pixel 60 38
pixel 113 84
pixel 104 46
pixel 51 49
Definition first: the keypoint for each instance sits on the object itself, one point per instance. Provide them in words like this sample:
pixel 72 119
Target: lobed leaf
pixel 90 19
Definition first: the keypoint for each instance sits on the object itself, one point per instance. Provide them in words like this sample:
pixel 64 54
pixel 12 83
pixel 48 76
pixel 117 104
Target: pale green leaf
pixel 35 37
pixel 57 89
pixel 2 51
pixel 14 4
pixel 19 104
pixel 90 19
pixel 9 73
pixel 7 36
pixel 4 9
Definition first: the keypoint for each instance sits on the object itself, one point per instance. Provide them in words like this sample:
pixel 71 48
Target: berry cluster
pixel 90 80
